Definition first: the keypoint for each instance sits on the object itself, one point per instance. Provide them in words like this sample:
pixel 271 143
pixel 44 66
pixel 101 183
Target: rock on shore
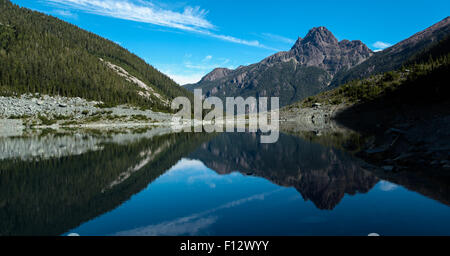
pixel 33 109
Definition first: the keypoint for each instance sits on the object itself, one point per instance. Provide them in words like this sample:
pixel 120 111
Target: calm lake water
pixel 209 184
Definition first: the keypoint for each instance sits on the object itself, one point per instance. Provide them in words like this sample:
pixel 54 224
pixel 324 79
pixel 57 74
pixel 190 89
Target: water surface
pixel 210 184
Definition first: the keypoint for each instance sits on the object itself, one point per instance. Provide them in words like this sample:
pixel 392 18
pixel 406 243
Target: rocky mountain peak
pixel 320 48
pixel 217 73
pixel 318 56
pixel 297 43
pixel 320 35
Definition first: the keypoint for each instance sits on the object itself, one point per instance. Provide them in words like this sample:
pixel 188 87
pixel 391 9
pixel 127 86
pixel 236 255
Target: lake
pixel 158 183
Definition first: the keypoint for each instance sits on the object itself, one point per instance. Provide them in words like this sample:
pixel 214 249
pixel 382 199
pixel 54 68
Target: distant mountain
pixel 318 62
pixel 216 74
pixel 42 54
pixel 303 71
pixel 394 57
pixel 321 49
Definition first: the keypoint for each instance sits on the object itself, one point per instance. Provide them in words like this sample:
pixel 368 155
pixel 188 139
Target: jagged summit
pixel 297 43
pixel 320 48
pixel 320 35
pixel 304 70
pixel 316 36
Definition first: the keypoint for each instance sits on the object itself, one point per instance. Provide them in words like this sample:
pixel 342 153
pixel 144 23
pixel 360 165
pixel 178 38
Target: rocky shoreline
pixel 43 111
pixel 403 143
pixel 318 117
pixel 411 146
pixel 407 141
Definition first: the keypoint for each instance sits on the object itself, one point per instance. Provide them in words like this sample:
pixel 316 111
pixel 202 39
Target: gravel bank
pixel 316 118
pixel 43 110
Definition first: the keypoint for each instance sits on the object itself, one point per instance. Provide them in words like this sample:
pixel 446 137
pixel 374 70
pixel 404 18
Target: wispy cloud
pixel 278 38
pixel 192 224
pixel 207 66
pixel 387 186
pixel 208 58
pixel 381 45
pixel 65 13
pixel 237 40
pixel 192 19
pixel 225 60
pixel 194 69
pixel 182 226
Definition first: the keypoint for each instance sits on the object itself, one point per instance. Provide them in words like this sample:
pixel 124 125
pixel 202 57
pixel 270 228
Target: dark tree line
pixel 42 54
pixel 426 81
pixel 52 196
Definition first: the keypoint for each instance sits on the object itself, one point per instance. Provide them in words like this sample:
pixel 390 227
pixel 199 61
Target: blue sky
pixel 187 39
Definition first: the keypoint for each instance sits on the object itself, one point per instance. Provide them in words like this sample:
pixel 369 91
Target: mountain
pixel 305 70
pixel 42 54
pixel 318 62
pixel 321 49
pixel 422 78
pixel 406 111
pixel 216 74
pixel 394 57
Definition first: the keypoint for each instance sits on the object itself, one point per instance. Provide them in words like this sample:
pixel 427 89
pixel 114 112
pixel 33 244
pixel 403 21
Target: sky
pixel 187 39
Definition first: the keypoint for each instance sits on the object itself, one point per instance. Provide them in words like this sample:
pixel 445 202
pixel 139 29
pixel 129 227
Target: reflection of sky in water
pixel 387 186
pixel 192 199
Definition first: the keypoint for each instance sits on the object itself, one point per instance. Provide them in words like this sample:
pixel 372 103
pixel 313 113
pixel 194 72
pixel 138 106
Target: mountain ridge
pixel 395 56
pixel 316 63
pixel 320 41
pixel 304 70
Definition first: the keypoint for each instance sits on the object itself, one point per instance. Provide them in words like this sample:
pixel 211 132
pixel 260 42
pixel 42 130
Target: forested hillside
pixel 42 54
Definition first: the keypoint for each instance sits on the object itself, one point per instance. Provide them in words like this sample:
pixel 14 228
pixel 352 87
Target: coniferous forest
pixel 42 54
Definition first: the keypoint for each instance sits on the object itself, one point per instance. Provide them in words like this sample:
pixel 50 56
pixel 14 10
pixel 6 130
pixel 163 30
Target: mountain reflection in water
pixel 232 186
pixel 320 174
